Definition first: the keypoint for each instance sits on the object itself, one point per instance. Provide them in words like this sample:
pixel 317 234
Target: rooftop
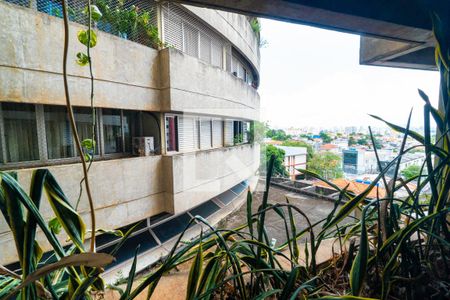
pixel 292 151
pixel 354 187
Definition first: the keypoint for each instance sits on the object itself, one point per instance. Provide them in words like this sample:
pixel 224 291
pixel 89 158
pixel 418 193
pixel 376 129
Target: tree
pixel 326 138
pixel 309 148
pixel 351 141
pixel 278 165
pixel 278 134
pixel 362 141
pixel 411 171
pixel 378 144
pixel 326 164
pixel 258 131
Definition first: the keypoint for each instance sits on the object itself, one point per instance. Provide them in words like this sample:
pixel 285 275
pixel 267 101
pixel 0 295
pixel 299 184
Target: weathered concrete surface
pixel 391 53
pixel 31 64
pixel 192 86
pixel 127 75
pixel 173 285
pixel 388 19
pixel 196 177
pixel 125 191
pixel 233 27
pixel 316 210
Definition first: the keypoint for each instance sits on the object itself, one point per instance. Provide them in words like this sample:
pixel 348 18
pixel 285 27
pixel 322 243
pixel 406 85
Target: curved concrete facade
pixel 130 78
pixel 235 28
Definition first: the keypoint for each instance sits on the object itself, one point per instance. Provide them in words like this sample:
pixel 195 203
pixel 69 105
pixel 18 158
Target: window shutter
pixel 205 133
pixel 228 133
pixel 217 133
pixel 187 135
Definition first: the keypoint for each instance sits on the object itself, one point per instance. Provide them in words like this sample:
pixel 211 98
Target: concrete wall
pixel 124 191
pixel 128 76
pixel 31 50
pixel 190 85
pixel 233 27
pixel 196 177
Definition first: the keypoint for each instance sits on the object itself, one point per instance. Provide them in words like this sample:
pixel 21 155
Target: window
pixel 228 133
pixel 130 124
pixel 59 135
pixel 20 132
pixel 31 132
pixel 238 132
pixel 217 133
pixel 191 39
pixel 188 133
pixel 112 131
pixel 205 133
pixel 172 133
pixel 84 120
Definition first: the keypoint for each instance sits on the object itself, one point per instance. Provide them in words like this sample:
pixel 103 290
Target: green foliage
pixel 257 132
pixel 278 134
pixel 96 15
pixel 351 141
pixel 87 37
pixel 21 212
pixel 82 59
pixel 326 164
pixel 131 22
pixel 278 155
pixel 363 141
pixel 309 148
pixel 411 172
pixel 326 138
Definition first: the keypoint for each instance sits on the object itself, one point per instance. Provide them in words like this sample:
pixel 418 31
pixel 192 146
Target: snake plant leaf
pixel 268 294
pixel 93 260
pixel 345 297
pixel 195 272
pixel 290 284
pixel 249 212
pixel 359 267
pixel 397 128
pixel 131 275
pixel 70 220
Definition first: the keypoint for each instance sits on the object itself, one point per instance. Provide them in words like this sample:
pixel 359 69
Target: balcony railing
pixel 133 20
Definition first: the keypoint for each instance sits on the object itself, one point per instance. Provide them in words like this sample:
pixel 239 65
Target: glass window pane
pixel 171 133
pixel 130 122
pixel 84 123
pixel 20 132
pixel 59 135
pixel 112 131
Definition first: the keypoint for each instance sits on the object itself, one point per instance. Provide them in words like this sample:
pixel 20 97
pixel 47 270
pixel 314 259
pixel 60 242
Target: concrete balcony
pixel 126 190
pixel 192 86
pixel 196 177
pixel 126 73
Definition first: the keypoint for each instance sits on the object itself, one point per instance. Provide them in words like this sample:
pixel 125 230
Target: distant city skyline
pixel 312 78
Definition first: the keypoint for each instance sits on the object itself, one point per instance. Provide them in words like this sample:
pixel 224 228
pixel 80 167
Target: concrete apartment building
pixel 191 103
pixel 294 158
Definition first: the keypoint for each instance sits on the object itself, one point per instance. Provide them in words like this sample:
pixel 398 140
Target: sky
pixel 311 77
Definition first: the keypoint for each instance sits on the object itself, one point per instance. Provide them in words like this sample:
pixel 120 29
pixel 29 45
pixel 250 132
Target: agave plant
pixel 74 271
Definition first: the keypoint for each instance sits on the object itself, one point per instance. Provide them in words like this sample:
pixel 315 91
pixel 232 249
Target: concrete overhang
pixel 393 33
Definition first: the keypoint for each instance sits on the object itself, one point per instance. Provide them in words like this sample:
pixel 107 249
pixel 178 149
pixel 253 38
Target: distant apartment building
pixel 408 159
pixel 294 158
pixel 353 161
pixel 172 121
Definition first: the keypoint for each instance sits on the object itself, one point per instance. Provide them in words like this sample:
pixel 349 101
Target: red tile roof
pixel 354 187
pixel 328 147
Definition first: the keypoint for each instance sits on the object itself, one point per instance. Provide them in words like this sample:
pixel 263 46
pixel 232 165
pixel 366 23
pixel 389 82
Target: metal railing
pixel 134 20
